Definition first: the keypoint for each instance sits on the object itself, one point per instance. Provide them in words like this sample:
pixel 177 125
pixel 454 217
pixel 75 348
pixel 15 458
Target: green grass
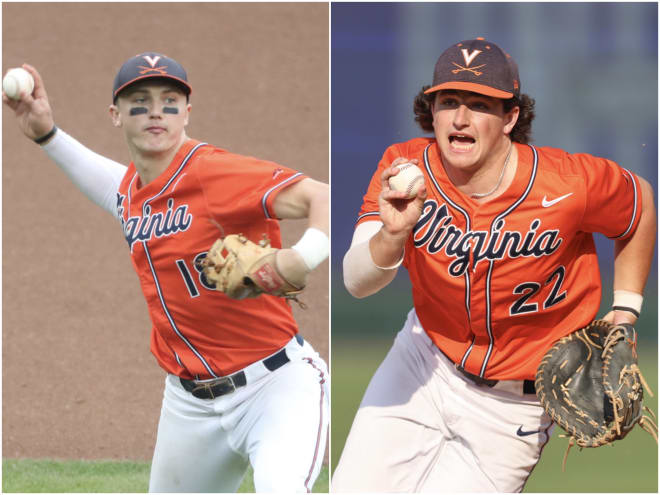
pixel 31 476
pixel 47 476
pixel 630 465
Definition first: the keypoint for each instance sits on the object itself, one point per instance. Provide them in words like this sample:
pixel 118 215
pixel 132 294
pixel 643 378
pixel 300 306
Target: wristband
pixel 625 300
pixel 45 138
pixel 313 246
pixel 624 308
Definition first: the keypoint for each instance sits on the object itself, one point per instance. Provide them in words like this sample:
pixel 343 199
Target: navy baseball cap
pixel 150 65
pixel 479 66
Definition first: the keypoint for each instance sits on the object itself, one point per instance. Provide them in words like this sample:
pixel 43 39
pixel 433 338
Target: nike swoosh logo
pixel 545 203
pixel 522 433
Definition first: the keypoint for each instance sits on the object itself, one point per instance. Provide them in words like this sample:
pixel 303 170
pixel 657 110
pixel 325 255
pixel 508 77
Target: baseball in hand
pixel 17 81
pixel 409 179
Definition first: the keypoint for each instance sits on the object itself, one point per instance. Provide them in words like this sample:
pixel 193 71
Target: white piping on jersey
pixel 499 217
pixel 632 220
pixel 427 165
pixel 128 204
pixel 169 316
pixel 173 325
pixel 371 213
pixel 267 193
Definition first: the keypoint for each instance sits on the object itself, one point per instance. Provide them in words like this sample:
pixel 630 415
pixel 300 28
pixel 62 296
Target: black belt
pixel 227 384
pixel 528 385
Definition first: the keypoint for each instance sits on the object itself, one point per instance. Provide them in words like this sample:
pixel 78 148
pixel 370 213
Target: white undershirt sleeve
pixel 362 277
pixel 96 176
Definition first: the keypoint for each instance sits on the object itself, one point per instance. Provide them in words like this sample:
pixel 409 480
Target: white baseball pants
pixel 422 426
pixel 278 424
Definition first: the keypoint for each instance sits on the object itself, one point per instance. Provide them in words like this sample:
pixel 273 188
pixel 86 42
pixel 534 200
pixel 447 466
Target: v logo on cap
pixel 153 61
pixel 469 57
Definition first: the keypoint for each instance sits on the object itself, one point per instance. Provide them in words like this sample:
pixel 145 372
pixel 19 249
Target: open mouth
pixel 461 142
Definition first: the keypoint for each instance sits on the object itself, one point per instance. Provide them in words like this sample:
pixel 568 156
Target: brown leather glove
pixel 590 384
pixel 240 268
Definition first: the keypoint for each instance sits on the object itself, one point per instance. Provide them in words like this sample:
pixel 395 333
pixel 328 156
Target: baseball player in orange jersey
pixel 499 248
pixel 242 386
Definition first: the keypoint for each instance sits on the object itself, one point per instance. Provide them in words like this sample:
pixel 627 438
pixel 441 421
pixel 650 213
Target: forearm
pixel 96 176
pixel 387 249
pixel 362 276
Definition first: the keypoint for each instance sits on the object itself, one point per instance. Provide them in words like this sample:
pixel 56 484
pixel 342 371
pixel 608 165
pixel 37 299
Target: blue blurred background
pixel 592 69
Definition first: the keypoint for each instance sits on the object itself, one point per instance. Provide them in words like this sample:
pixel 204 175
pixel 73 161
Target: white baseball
pixel 16 81
pixel 409 179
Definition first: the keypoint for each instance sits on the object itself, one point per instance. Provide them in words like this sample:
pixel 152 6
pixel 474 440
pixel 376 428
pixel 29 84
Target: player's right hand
pixel 33 112
pixel 398 214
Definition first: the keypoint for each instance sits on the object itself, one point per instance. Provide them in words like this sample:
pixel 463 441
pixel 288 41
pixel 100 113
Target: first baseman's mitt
pixel 589 383
pixel 240 268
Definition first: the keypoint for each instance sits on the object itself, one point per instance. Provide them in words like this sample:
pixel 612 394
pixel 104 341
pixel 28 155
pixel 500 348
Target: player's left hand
pixel 591 385
pixel 292 267
pixel 241 269
pixel 620 317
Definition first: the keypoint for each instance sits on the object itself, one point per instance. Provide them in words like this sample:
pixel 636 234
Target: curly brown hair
pixel 521 132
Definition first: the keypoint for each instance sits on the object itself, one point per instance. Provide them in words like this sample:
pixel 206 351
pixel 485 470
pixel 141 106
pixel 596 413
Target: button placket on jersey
pixel 477 273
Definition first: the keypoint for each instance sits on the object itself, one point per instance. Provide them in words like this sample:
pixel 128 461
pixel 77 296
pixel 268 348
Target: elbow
pixel 355 290
pixel 352 281
pixel 352 284
pixel 361 277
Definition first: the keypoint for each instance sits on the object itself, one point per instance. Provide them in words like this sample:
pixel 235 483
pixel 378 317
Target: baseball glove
pixel 590 384
pixel 240 268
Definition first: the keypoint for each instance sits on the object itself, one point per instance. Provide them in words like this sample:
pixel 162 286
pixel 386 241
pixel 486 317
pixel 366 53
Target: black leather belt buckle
pixel 214 388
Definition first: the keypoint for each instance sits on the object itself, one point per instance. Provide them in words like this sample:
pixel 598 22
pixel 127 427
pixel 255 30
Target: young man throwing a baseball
pixel 499 248
pixel 242 386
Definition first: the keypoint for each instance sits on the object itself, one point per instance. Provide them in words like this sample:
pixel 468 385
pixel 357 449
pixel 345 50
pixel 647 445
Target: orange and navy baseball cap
pixel 479 66
pixel 150 65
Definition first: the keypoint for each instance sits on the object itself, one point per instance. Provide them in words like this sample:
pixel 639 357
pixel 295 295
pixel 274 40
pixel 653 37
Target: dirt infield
pixel 78 378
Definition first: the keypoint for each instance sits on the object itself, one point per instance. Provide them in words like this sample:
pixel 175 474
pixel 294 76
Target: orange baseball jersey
pixel 495 284
pixel 169 225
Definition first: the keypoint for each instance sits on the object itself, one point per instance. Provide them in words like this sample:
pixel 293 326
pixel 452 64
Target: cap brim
pixel 181 82
pixel 475 88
